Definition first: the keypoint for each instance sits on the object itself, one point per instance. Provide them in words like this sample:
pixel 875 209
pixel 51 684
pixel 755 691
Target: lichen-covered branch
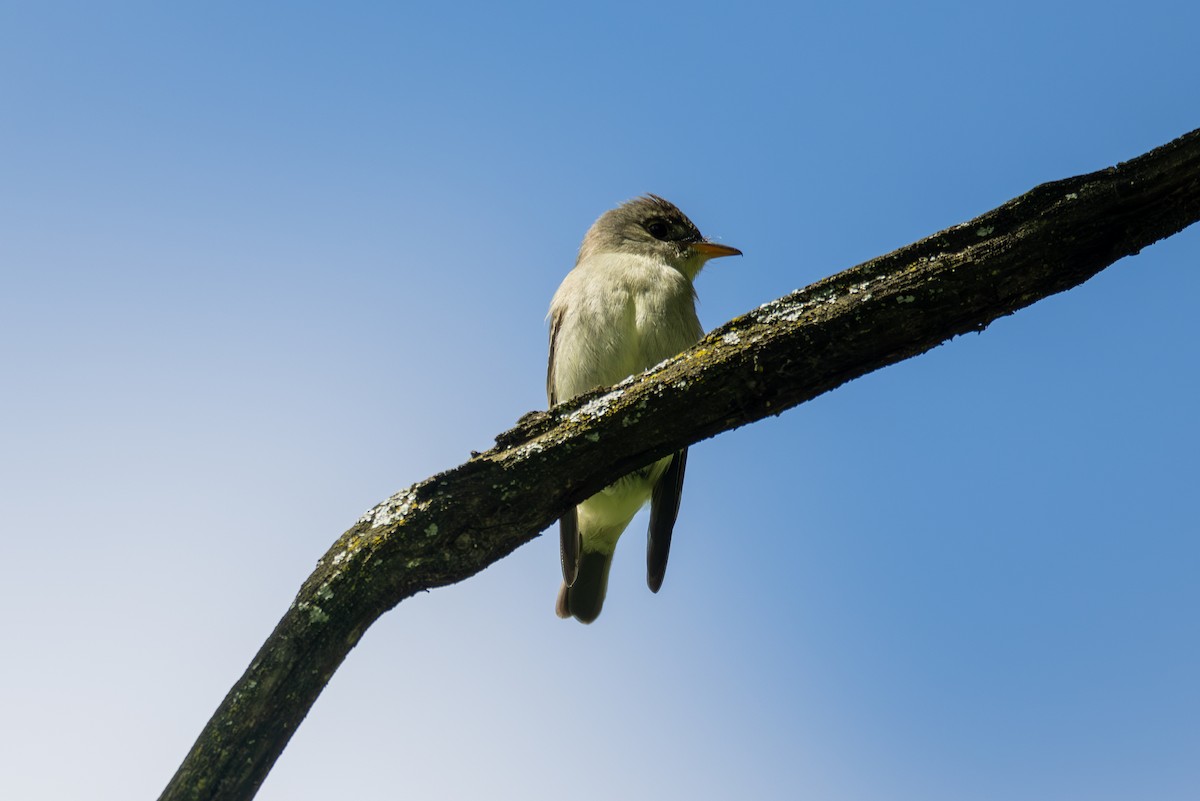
pixel 453 525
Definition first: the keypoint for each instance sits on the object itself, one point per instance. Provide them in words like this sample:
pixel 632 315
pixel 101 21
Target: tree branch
pixel 449 527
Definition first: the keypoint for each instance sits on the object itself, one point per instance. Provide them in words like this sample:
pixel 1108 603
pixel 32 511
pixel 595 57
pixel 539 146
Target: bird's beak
pixel 711 250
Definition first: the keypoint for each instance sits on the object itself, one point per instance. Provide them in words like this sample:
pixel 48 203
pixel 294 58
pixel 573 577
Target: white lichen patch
pixel 905 299
pixel 315 613
pixel 1072 196
pixel 791 310
pixel 861 286
pixel 731 338
pixel 527 450
pixel 596 406
pixel 781 313
pixel 391 511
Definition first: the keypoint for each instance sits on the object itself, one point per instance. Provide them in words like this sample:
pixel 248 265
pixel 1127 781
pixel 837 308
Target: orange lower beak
pixel 712 250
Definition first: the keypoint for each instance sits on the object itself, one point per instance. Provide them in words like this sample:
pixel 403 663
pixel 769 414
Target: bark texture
pixel 451 526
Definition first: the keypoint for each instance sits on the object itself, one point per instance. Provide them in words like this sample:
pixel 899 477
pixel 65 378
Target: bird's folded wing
pixel 664 508
pixel 570 545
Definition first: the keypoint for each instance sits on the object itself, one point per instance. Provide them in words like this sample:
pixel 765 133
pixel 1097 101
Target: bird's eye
pixel 658 229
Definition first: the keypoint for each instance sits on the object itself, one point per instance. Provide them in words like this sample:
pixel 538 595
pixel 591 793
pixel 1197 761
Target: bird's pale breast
pixel 626 315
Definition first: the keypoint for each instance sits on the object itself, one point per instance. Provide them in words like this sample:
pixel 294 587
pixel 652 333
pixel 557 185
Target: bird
pixel 628 304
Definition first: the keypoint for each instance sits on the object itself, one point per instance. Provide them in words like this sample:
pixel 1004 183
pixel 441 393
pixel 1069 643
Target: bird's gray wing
pixel 664 508
pixel 555 325
pixel 570 543
pixel 569 538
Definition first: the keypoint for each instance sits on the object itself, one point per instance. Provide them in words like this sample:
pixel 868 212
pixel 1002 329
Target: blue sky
pixel 265 264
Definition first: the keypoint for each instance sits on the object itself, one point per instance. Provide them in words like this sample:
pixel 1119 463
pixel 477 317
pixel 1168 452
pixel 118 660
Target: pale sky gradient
pixel 265 264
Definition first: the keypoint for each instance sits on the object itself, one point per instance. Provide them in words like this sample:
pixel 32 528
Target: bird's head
pixel 652 227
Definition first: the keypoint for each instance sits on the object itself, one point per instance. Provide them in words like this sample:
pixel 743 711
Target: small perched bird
pixel 627 305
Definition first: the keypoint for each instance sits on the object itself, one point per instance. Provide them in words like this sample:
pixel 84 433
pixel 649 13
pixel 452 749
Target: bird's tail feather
pixel 584 599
